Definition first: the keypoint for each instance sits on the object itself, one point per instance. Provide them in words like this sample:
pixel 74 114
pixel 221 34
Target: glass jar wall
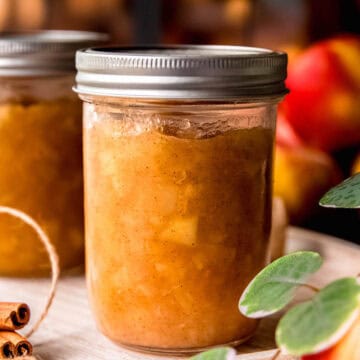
pixel 41 158
pixel 178 146
pixel 40 151
pixel 177 215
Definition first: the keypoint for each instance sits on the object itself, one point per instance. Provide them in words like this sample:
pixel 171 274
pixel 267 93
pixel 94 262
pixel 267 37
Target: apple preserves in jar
pixel 177 211
pixel 41 149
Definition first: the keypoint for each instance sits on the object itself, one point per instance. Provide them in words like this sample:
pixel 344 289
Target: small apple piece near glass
pixel 326 327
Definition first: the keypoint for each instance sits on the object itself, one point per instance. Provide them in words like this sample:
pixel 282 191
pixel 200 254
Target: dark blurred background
pixel 271 23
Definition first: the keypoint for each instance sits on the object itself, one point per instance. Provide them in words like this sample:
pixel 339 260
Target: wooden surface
pixel 69 331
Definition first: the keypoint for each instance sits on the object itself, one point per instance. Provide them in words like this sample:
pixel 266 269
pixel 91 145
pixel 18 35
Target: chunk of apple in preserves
pixel 181 230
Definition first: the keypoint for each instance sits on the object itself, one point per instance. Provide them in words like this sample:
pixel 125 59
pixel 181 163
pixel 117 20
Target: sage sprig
pixel 345 195
pixel 274 287
pixel 308 327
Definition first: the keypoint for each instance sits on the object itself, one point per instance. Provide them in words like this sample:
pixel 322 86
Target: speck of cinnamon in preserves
pixel 41 174
pixel 176 228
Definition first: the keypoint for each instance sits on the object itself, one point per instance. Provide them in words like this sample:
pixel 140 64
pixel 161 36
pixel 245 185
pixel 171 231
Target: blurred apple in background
pixel 356 166
pixel 285 134
pixel 301 176
pixel 318 122
pixel 323 104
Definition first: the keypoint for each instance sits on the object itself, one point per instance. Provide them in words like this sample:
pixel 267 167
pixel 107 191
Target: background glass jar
pixel 40 148
pixel 177 189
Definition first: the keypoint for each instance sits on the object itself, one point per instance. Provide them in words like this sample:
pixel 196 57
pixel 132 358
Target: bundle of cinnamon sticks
pixel 13 316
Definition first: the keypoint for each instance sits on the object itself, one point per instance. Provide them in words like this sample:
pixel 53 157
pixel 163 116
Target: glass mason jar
pixel 40 148
pixel 178 146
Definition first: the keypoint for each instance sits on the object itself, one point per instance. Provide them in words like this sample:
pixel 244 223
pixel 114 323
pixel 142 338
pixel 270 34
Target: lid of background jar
pixel 41 53
pixel 181 72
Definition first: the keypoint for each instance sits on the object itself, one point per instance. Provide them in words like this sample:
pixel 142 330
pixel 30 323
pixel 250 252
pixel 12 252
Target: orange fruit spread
pixel 176 228
pixel 41 174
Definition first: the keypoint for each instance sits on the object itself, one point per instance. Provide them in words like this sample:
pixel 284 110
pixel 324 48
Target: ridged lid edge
pixel 181 71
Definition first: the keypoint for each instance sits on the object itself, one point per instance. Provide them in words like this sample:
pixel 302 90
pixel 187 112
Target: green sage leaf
pixel 274 287
pixel 345 195
pixel 221 353
pixel 318 324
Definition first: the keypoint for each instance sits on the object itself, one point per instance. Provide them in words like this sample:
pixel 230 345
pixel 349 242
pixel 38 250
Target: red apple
pixel 285 134
pixel 348 348
pixel 301 176
pixel 356 166
pixel 324 101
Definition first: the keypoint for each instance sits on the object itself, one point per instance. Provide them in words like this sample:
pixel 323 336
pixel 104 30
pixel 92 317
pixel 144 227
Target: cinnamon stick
pixel 14 343
pixel 13 316
pixel 7 348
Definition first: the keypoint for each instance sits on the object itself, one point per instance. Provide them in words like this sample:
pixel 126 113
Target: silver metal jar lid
pixel 181 72
pixel 43 52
